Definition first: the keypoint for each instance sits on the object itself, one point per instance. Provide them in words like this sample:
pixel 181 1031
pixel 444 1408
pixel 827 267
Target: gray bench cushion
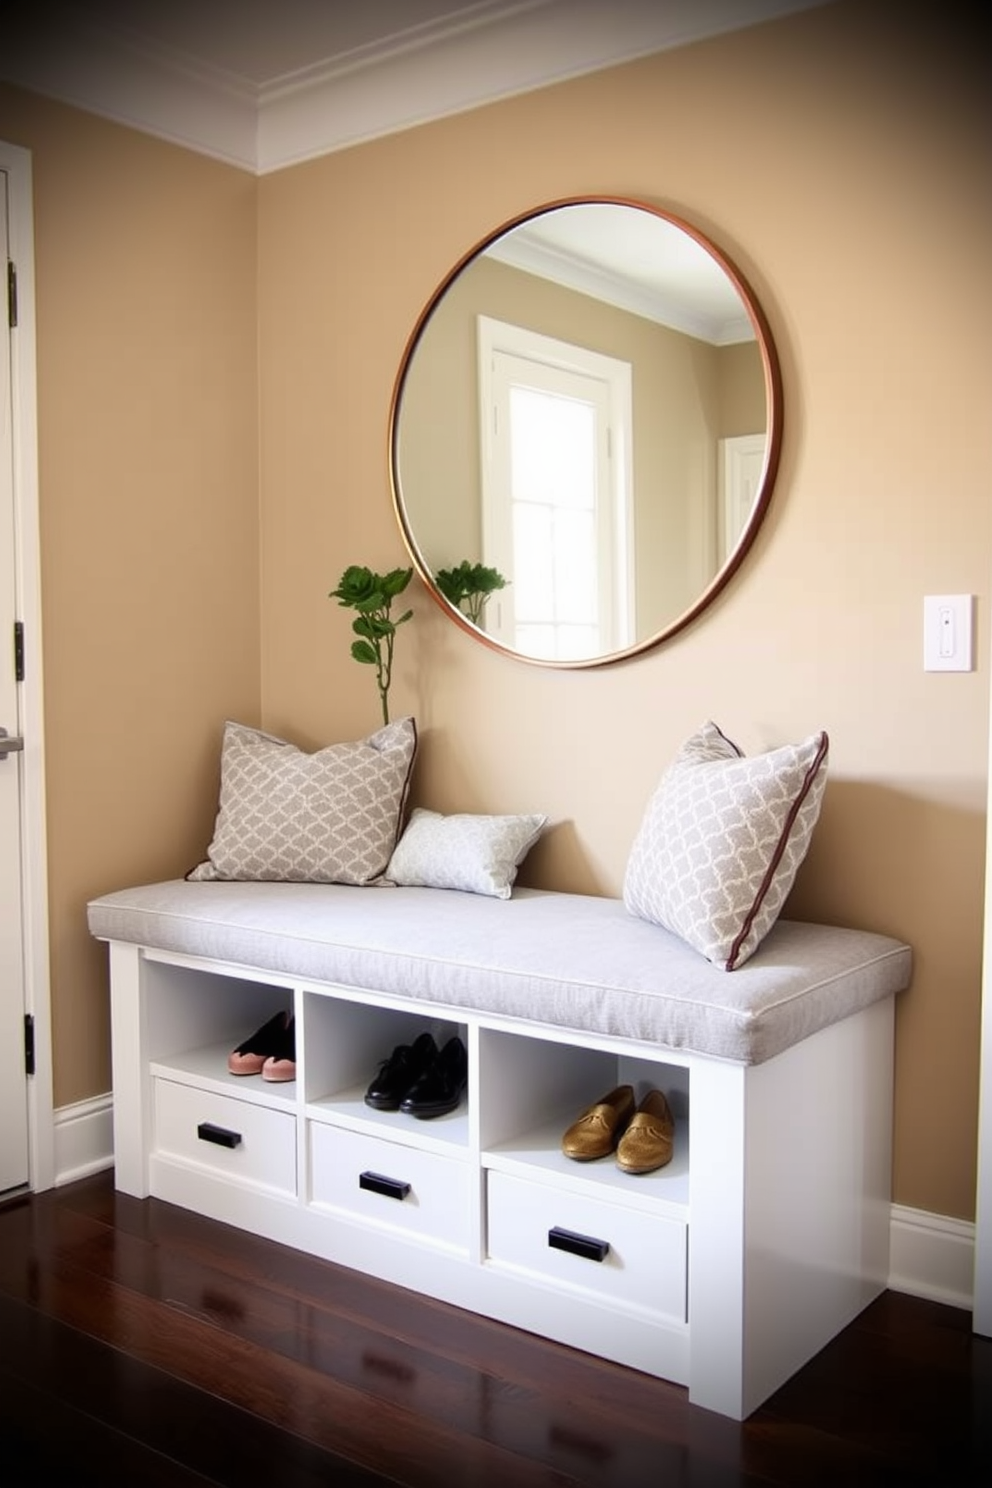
pixel 571 960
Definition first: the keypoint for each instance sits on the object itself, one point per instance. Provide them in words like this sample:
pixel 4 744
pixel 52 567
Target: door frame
pixel 982 1304
pixel 16 162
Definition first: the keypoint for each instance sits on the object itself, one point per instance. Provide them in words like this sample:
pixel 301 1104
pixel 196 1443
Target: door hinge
pixel 11 294
pixel 29 1043
pixel 18 650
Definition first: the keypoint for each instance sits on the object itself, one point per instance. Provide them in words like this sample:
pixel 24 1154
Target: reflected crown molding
pixel 718 319
pixel 470 54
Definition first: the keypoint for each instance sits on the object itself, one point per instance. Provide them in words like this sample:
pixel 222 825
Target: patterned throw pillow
pixel 480 854
pixel 722 840
pixel 329 817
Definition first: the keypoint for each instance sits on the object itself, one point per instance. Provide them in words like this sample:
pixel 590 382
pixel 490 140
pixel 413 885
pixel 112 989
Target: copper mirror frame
pixel 699 370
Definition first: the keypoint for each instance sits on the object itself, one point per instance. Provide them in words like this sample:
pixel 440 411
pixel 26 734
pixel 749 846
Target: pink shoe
pixel 249 1058
pixel 281 1063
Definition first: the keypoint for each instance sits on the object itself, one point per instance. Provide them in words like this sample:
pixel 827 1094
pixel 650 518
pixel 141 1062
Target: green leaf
pixel 372 602
pixel 396 581
pixel 355 585
pixel 363 652
pixel 378 626
pixel 487 580
pixel 451 583
pixel 468 586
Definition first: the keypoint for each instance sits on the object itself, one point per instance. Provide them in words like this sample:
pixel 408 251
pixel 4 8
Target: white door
pixel 742 464
pixel 13 1072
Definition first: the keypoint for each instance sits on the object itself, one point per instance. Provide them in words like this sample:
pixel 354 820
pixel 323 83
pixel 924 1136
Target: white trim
pixel 983 1220
pixel 932 1256
pixel 490 50
pixel 17 164
pixel 84 1139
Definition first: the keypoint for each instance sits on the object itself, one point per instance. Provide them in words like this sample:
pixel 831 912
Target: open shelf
pixel 537 1155
pixel 207 1069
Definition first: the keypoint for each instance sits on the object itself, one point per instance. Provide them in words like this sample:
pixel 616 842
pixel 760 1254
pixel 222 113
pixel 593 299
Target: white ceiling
pixel 266 83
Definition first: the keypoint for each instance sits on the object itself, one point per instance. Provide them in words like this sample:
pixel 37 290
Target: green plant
pixel 469 587
pixel 372 595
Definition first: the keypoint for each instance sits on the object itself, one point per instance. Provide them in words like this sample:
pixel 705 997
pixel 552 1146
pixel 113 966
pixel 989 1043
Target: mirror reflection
pixel 584 432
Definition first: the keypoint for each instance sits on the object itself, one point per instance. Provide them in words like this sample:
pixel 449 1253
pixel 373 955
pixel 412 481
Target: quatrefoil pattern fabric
pixel 722 839
pixel 478 854
pixel 329 817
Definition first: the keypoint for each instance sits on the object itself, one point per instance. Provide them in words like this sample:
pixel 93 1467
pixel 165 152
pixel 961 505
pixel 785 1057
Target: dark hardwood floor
pixel 142 1345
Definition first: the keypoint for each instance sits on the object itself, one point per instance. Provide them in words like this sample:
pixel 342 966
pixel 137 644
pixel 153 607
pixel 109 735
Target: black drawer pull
pixel 580 1245
pixel 391 1188
pixel 219 1135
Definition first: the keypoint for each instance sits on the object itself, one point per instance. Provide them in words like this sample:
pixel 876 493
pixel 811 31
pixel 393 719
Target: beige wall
pixel 742 390
pixel 866 235
pixel 864 230
pixel 147 420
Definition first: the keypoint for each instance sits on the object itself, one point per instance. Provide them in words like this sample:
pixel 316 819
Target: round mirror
pixel 584 432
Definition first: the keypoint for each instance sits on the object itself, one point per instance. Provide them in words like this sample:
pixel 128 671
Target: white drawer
pixel 418 1193
pixel 632 1257
pixel 253 1144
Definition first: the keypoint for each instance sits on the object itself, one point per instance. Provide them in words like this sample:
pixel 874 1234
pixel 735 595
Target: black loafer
pixel 399 1073
pixel 441 1086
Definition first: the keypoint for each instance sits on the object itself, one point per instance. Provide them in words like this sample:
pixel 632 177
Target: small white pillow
pixel 478 854
pixel 722 840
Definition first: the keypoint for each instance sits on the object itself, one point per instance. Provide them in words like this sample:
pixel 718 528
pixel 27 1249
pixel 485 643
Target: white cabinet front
pixel 234 1138
pixel 622 1255
pixel 367 1178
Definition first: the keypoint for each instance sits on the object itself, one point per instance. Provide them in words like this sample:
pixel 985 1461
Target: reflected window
pixel 555 449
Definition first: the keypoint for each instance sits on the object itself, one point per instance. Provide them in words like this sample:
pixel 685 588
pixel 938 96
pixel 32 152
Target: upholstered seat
pixel 574 961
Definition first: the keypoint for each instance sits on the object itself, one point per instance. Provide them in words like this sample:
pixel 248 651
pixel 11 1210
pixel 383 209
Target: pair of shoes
pixel 270 1051
pixel 399 1073
pixel 441 1086
pixel 643 1136
pixel 420 1079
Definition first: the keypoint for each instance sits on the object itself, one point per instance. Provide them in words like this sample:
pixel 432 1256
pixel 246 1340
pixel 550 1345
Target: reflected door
pixel 742 466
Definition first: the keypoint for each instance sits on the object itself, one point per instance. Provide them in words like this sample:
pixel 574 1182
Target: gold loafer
pixel 649 1140
pixel 596 1132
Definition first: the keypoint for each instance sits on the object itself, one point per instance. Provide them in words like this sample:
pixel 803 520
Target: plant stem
pixel 384 670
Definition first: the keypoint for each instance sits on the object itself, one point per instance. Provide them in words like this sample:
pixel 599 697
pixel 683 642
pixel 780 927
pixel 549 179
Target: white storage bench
pixel 724 1271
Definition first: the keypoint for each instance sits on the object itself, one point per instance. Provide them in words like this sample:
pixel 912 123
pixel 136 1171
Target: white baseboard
pixel 930 1256
pixel 84 1139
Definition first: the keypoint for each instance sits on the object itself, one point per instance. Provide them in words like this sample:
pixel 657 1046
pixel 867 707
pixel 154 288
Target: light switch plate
pixel 948 626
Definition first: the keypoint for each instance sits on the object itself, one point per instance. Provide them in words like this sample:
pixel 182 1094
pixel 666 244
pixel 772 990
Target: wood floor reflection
pixel 143 1345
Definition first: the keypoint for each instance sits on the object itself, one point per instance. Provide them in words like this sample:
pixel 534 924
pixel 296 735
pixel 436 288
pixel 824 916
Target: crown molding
pixel 132 81
pixel 495 50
